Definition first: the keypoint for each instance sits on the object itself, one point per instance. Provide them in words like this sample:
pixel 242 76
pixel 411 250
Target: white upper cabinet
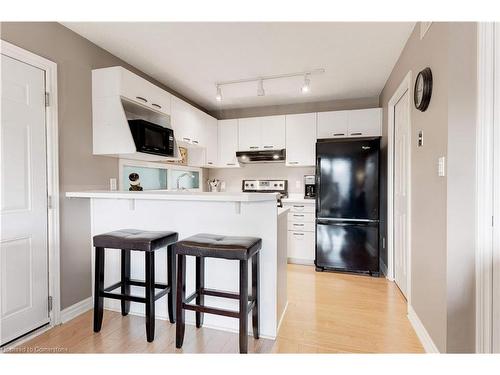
pixel 333 124
pixel 211 141
pixel 355 123
pixel 365 122
pixel 273 132
pixel 118 81
pixel 261 133
pixel 250 134
pixel 188 123
pixel 227 143
pixel 301 140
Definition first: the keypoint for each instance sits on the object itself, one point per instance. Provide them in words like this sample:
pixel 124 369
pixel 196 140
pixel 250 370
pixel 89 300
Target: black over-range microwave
pixel 152 138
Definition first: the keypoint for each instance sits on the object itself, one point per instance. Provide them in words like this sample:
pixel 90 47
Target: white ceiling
pixel 191 57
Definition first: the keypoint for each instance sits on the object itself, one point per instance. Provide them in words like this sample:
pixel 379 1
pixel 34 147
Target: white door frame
pixel 50 69
pixel 487 178
pixel 402 89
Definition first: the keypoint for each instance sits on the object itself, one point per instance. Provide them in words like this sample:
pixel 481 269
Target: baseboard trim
pixel 77 309
pixel 421 332
pixel 303 262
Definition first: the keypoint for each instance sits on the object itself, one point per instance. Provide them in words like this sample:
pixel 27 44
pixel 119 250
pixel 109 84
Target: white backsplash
pixel 233 176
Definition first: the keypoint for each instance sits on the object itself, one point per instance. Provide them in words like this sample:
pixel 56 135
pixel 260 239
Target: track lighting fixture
pixel 260 88
pixel 306 86
pixel 218 95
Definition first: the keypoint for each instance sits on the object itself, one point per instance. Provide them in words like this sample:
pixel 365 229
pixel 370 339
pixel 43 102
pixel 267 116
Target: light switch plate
pixel 420 138
pixel 442 166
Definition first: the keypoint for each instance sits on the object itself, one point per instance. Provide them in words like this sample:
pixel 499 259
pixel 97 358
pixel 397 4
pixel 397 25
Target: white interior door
pixel 23 242
pixel 401 169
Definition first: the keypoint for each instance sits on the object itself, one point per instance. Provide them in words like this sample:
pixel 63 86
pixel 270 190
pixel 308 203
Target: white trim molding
pixel 485 187
pixel 75 310
pixel 421 332
pixel 404 87
pixel 50 69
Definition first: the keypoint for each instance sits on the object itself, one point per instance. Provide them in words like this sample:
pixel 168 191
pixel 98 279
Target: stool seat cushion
pixel 134 239
pixel 218 246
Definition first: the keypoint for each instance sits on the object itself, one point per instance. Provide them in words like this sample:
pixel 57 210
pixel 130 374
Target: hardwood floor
pixel 327 313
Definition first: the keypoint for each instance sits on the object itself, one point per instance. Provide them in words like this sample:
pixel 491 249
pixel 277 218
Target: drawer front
pixel 301 217
pixel 301 227
pixel 301 207
pixel 301 245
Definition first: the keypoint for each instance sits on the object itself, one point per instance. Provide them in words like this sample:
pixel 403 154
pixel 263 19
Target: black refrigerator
pixel 347 205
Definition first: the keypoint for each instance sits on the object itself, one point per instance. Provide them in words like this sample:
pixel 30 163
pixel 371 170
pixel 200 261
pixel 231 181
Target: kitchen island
pixel 189 213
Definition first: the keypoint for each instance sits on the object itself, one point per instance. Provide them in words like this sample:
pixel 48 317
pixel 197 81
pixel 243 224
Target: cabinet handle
pixel 268 146
pixel 141 98
pixel 209 163
pixel 187 139
pixel 356 133
pixel 195 141
pixel 338 134
pixel 253 147
pixel 298 225
pixel 298 234
pixel 293 162
pixel 156 105
pixel 298 215
pixel 230 164
pixel 301 206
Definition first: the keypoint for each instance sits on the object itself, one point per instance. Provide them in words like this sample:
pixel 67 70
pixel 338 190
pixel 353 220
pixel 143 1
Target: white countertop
pixel 174 195
pixel 298 198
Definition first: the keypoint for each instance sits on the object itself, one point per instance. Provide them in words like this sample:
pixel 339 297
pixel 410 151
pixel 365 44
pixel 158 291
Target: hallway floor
pixel 327 313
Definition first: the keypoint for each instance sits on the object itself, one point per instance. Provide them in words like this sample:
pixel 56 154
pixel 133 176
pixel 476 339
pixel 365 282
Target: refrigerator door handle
pixel 342 220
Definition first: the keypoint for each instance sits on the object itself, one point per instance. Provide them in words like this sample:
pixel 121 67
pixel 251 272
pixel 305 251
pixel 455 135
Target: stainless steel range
pixel 267 186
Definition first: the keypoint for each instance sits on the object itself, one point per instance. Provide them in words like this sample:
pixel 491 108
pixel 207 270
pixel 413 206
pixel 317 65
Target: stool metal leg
pixel 255 294
pixel 181 295
pixel 150 295
pixel 243 306
pixel 200 283
pixel 125 274
pixel 98 288
pixel 172 282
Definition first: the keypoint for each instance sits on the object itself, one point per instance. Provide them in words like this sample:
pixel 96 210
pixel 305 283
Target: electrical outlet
pixel 112 184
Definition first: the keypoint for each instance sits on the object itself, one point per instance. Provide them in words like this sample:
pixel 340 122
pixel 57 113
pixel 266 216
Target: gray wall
pixel 461 187
pixel 78 168
pixel 331 105
pixel 442 263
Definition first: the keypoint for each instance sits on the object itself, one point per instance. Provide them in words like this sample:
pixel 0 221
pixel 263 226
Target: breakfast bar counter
pixel 189 213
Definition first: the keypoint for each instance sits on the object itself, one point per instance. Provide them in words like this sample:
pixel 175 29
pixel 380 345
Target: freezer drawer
pixel 348 246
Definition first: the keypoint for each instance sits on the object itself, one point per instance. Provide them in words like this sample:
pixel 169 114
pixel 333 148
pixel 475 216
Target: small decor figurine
pixel 213 185
pixel 135 183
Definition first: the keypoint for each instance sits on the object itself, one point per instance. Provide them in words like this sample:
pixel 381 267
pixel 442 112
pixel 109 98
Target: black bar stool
pixel 225 247
pixel 137 240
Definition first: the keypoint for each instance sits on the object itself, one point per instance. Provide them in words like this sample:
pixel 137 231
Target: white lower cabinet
pixel 300 247
pixel 301 233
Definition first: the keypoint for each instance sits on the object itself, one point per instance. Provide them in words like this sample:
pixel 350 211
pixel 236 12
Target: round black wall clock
pixel 423 89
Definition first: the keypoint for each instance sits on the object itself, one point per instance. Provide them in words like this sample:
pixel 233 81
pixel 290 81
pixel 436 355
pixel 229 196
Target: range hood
pixel 267 156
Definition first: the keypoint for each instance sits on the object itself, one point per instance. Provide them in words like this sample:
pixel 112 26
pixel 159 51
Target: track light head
pixel 306 87
pixel 218 95
pixel 260 88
